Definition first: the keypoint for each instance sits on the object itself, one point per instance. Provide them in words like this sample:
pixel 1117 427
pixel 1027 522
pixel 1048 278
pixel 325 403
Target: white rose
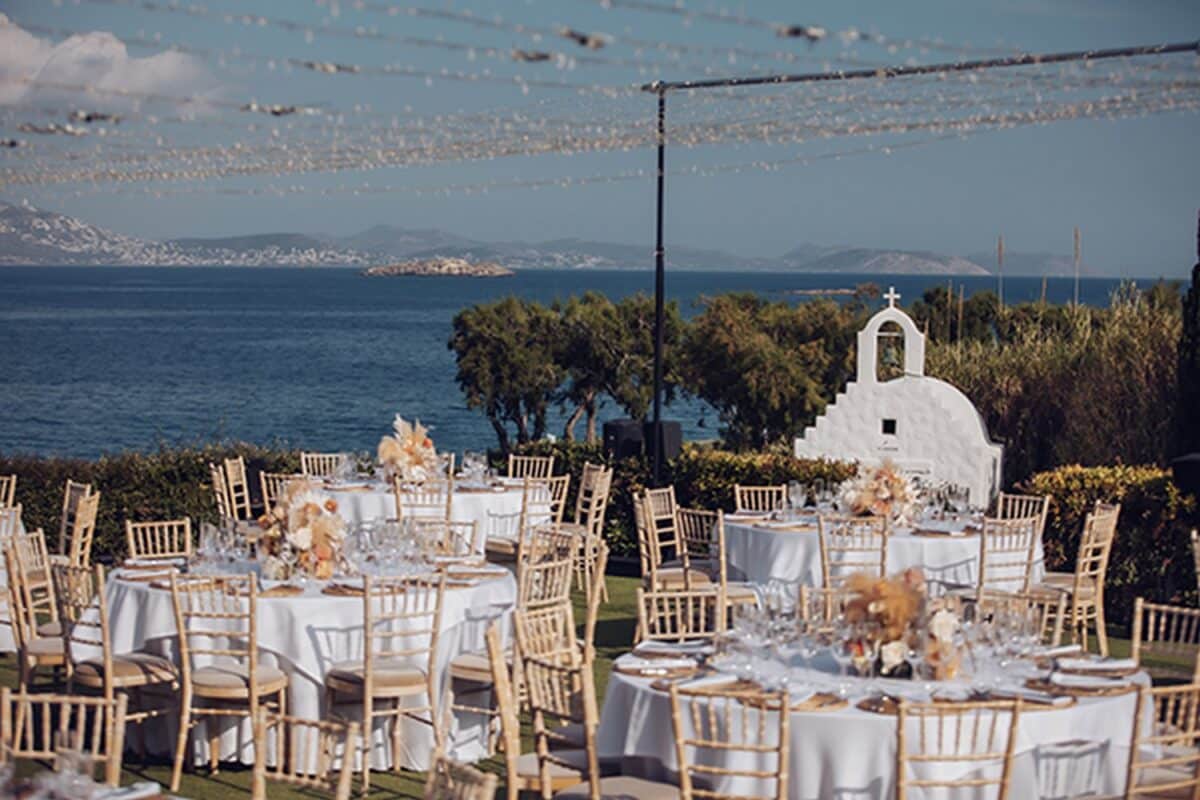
pixel 943 625
pixel 892 654
pixel 301 538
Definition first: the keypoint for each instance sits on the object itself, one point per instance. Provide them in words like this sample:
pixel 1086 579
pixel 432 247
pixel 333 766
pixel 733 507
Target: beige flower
pixel 301 538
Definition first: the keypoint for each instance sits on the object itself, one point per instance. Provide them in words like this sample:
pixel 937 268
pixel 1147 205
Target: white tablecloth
pixel 481 507
pixel 849 753
pixel 303 636
pixel 760 553
pixel 10 524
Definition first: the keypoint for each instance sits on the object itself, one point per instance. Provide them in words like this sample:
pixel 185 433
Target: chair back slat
pixel 431 500
pixel 759 498
pixel 1165 745
pixel 591 503
pixel 310 754
pixel 73 492
pixel 731 744
pixel 83 611
pixel 83 530
pixel 322 465
pixel 977 739
pixel 851 545
pixel 273 485
pixel 679 616
pixel 1007 551
pixel 220 492
pixel 162 539
pixel 216 619
pixel 33 574
pixel 39 727
pixel 1166 639
pixel 560 486
pixel 8 491
pixel 535 467
pixel 237 485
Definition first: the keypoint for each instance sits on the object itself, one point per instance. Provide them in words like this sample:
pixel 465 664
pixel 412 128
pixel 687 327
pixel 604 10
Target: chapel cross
pixel 891 296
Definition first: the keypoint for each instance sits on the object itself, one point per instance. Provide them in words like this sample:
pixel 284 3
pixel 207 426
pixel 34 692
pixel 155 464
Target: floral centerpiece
pixel 883 491
pixel 883 611
pixel 408 453
pixel 302 532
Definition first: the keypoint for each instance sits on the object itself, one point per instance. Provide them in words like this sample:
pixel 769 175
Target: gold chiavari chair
pixel 220 493
pixel 723 735
pixel 39 727
pixel 306 752
pixel 764 499
pixel 322 465
pixel 83 609
pixel 35 649
pixel 591 505
pixel 1006 554
pixel 1085 586
pixel 560 486
pixel 164 539
pixel 507 531
pixel 680 615
pixel 273 485
pixel 535 467
pixel 73 492
pixel 850 545
pixel 661 547
pixel 973 737
pixel 216 622
pixel 522 772
pixel 450 780
pixel 33 572
pixel 594 599
pixel 1044 610
pixel 237 485
pixel 8 491
pixel 1169 637
pixel 1164 755
pixel 423 501
pixel 455 538
pixel 401 626
pixel 83 531
pixel 562 698
pixel 1020 506
pixel 10 523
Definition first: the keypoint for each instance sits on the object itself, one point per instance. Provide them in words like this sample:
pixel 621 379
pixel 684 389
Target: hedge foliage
pixel 702 475
pixel 169 483
pixel 1151 555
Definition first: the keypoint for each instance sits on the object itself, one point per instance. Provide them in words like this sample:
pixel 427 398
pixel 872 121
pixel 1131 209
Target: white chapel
pixel 926 426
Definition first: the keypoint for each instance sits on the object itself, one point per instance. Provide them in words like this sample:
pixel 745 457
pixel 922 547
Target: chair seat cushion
pixel 128 670
pixel 473 667
pixel 1065 582
pixel 45 648
pixel 497 546
pixel 1165 776
pixel 50 629
pixel 623 786
pixel 233 680
pixel 390 678
pixel 576 763
pixel 740 593
pixel 675 576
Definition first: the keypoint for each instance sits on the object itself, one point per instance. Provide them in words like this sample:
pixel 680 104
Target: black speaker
pixel 1185 472
pixel 669 439
pixel 622 438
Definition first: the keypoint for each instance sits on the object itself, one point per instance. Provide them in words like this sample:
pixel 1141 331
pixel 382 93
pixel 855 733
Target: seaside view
pixel 599 400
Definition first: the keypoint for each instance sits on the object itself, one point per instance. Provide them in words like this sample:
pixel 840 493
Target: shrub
pixel 703 477
pixel 1151 554
pixel 165 484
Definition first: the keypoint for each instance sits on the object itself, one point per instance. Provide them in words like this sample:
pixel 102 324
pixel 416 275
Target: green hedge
pixel 703 477
pixel 166 484
pixel 1151 554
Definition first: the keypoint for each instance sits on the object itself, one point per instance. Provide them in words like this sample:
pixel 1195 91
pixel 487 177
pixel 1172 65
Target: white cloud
pixel 33 70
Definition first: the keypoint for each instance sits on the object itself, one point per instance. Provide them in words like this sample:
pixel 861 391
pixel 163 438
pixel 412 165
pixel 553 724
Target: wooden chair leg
pixel 214 742
pixel 181 740
pixel 1101 628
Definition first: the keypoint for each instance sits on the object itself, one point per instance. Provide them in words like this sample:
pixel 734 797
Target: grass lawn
pixel 614 634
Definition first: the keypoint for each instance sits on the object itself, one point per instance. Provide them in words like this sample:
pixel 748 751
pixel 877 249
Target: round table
pixel 481 506
pixel 761 551
pixel 303 636
pixel 850 753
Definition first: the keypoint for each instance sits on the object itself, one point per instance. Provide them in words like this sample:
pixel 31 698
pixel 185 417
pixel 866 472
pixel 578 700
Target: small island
pixel 441 266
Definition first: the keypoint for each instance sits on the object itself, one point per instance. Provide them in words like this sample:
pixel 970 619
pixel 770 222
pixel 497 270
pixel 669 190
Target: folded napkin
pixel 631 661
pixel 1096 665
pixel 707 681
pixel 1033 695
pixel 1055 652
pixel 672 648
pixel 1086 681
pixel 150 562
pixel 145 575
pixel 941 527
pixel 136 791
pixel 746 517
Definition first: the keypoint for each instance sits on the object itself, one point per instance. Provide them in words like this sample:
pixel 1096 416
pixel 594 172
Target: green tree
pixel 608 349
pixel 937 313
pixel 508 357
pixel 769 368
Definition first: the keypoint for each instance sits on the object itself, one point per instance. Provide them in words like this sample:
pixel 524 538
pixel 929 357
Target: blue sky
pixel 1129 184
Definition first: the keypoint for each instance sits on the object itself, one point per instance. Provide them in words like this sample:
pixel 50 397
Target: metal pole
pixel 659 270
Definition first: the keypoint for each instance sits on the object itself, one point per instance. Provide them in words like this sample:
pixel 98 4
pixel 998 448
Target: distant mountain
pixel 1037 264
pixel 893 262
pixel 32 236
